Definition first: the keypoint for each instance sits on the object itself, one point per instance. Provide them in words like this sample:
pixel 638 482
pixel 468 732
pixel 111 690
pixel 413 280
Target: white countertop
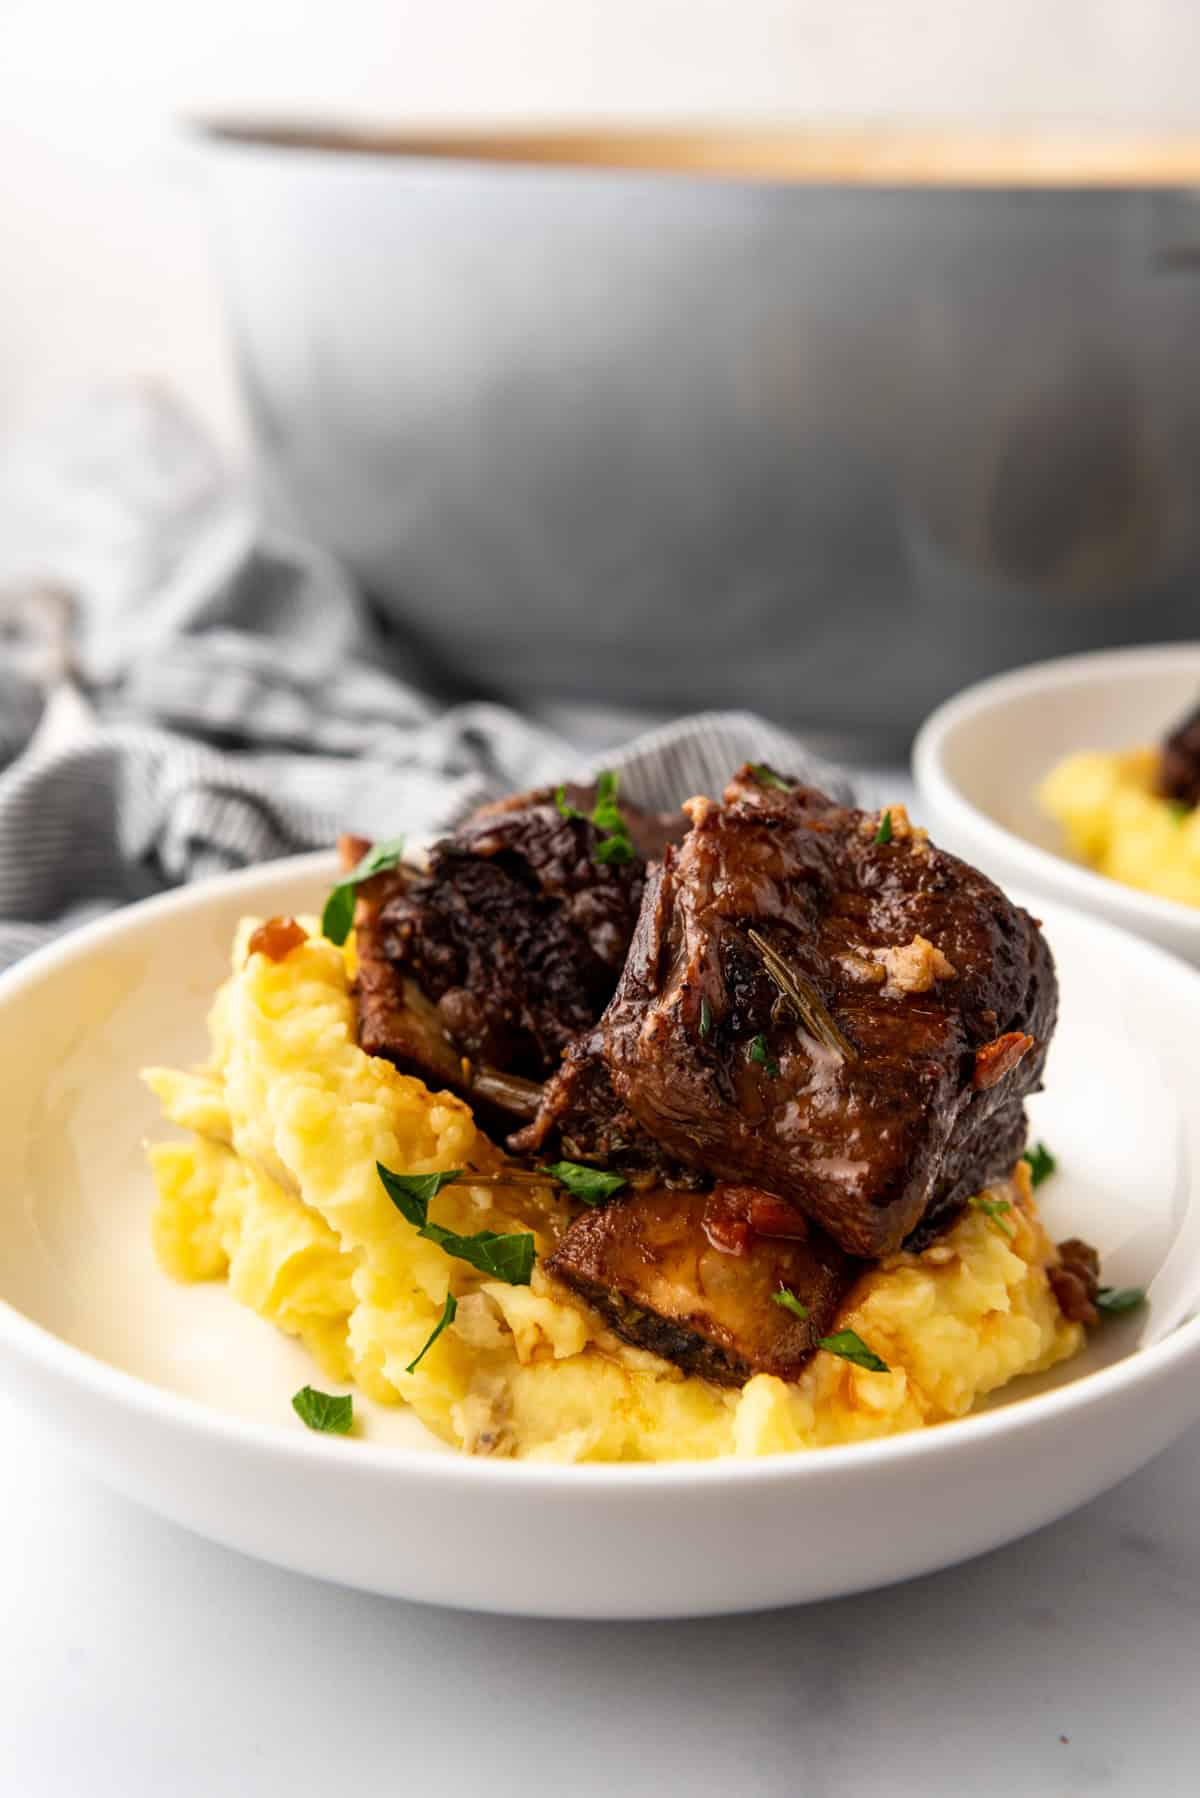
pixel 138 1661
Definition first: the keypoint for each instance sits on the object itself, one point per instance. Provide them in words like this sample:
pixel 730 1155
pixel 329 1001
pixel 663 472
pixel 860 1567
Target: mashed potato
pixel 275 1191
pixel 1116 821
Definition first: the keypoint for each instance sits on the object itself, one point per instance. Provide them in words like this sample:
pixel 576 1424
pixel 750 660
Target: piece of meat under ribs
pixel 696 1277
pixel 821 1004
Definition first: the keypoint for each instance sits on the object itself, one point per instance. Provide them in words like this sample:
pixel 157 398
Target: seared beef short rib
pixel 825 1006
pixel 1179 773
pixel 507 947
pixel 808 1005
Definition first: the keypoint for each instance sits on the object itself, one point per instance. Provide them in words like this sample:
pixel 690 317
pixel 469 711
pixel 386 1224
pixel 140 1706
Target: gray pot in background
pixel 659 441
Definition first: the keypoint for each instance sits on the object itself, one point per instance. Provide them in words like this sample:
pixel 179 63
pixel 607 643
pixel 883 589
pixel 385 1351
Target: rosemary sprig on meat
pixel 800 993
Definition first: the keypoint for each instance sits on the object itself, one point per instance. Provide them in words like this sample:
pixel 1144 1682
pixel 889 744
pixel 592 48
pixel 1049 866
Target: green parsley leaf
pixel 338 915
pixel 767 777
pixel 411 1193
pixel 1180 810
pixel 613 849
pixel 758 1052
pixel 505 1256
pixel 884 833
pixel 591 1184
pixel 851 1347
pixel 789 1301
pixel 705 1017
pixel 606 814
pixel 560 800
pixel 617 844
pixel 449 1312
pixel 1041 1163
pixel 993 1210
pixel 1113 1301
pixel 324 1410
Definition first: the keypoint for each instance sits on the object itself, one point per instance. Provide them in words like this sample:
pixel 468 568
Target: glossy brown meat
pixel 517 933
pixel 1179 774
pixel 890 1084
pixel 580 1117
pixel 688 1276
pixel 397 1021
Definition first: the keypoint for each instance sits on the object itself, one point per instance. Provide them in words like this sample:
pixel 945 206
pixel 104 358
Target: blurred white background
pixel 105 264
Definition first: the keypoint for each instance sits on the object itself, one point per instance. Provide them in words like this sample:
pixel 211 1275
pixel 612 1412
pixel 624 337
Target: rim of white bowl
pixel 939 790
pixel 159 1404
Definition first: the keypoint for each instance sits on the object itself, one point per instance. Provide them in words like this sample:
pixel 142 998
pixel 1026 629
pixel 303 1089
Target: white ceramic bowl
pixel 179 1397
pixel 978 759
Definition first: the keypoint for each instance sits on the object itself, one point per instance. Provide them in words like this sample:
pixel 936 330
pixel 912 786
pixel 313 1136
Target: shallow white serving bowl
pixel 180 1398
pixel 978 759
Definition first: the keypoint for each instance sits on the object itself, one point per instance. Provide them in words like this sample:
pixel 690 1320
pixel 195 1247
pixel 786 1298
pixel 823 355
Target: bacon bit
pixel 733 1214
pixel 1075 1281
pixel 994 1060
pixel 276 939
pixel 351 851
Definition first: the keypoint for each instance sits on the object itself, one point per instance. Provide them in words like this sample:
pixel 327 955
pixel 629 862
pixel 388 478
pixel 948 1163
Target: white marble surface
pixel 138 1661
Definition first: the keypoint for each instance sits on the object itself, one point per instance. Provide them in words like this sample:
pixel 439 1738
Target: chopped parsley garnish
pixel 767 777
pixel 324 1410
pixel 505 1257
pixel 993 1210
pixel 759 1053
pixel 1113 1301
pixel 1041 1163
pixel 449 1312
pixel 616 844
pixel 1180 810
pixel 789 1301
pixel 338 914
pixel 591 1184
pixel 613 849
pixel 705 1017
pixel 884 833
pixel 851 1347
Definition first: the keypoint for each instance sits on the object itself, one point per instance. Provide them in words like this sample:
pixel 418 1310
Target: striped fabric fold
pixel 215 695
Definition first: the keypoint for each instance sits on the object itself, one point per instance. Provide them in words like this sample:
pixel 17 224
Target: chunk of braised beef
pixel 397 1021
pixel 1179 770
pixel 580 1118
pixel 518 929
pixel 692 1276
pixel 841 1014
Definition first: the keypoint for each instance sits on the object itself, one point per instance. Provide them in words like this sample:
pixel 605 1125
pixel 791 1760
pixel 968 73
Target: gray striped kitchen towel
pixel 183 690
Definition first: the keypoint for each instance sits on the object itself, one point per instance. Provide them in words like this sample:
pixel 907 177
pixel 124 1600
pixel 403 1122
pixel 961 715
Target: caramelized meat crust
pixel 580 1117
pixel 398 1022
pixel 691 1277
pixel 756 1035
pixel 1179 774
pixel 517 933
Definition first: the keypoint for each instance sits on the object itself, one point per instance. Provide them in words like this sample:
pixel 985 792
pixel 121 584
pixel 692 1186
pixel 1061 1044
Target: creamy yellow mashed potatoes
pixel 275 1190
pixel 1115 820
